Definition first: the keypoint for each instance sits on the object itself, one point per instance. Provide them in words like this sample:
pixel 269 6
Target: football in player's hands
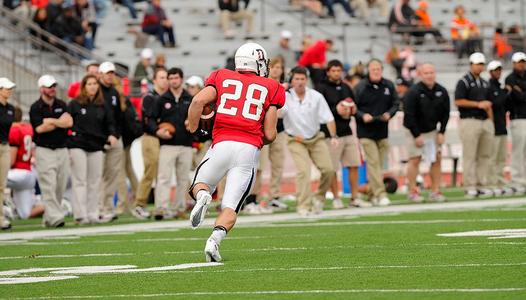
pixel 168 127
pixel 208 112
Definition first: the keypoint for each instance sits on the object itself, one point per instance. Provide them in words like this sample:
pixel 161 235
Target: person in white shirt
pixel 305 109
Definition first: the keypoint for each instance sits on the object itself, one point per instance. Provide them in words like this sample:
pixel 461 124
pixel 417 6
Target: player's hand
pixel 419 141
pixel 440 139
pixel 112 141
pixel 367 118
pixel 163 134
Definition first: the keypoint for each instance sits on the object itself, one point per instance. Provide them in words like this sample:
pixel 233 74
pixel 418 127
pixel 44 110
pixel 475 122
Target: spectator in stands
pixel 69 28
pixel 516 85
pixel 114 156
pixel 346 6
pixel 315 6
pixel 304 110
pixel 500 149
pixel 515 38
pixel 25 10
pixel 465 34
pixel 150 142
pixel 74 88
pixel 160 61
pixel 130 5
pixel 501 47
pixel 50 120
pixel 21 179
pixel 314 58
pixel 404 61
pixel 231 11
pixel 426 105
pixel 85 10
pixel 363 7
pixel 7 114
pixel 423 22
pixel 93 127
pixel 40 3
pixel 176 148
pixel 143 71
pixel 283 50
pixel 377 103
pixel 54 10
pixel 402 18
pixel 473 99
pixel 156 23
pixel 41 19
pixel 340 99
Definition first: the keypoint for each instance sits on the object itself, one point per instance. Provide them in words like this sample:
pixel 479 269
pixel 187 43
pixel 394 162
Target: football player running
pixel 245 120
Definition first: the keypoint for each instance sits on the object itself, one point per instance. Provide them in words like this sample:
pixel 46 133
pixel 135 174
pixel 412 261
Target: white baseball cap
pixel 146 53
pixel 195 80
pixel 5 83
pixel 494 65
pixel 477 58
pixel 106 67
pixel 518 57
pixel 46 81
pixel 285 34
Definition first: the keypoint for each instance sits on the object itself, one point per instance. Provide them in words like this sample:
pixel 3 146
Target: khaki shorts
pixel 414 151
pixel 347 153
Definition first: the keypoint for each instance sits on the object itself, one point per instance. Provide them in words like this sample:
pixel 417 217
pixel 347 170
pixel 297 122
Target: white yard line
pixel 251 220
pixel 285 292
pixel 66 255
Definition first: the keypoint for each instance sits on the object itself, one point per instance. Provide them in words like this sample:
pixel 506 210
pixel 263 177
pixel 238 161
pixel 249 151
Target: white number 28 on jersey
pixel 250 101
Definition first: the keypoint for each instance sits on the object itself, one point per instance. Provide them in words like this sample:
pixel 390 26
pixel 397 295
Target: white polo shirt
pixel 304 118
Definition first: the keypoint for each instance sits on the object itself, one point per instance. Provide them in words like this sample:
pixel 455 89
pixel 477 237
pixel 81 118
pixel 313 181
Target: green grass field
pixel 369 257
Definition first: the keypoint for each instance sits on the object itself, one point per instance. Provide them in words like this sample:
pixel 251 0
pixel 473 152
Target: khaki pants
pixel 5 165
pixel 53 170
pixel 113 166
pixel 179 157
pixel 363 8
pixel 150 156
pixel 227 17
pixel 86 175
pixel 518 152
pixel 375 153
pixel 477 138
pixel 128 173
pixel 273 154
pixel 302 153
pixel 498 161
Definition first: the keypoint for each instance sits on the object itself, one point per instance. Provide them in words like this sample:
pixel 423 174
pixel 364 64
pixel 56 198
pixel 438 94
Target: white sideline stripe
pixel 293 292
pixel 67 255
pixel 242 221
pixel 19 280
pixel 499 232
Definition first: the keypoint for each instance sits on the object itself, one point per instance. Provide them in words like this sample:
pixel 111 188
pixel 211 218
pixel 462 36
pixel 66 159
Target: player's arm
pixel 14 152
pixel 65 121
pixel 269 125
pixel 204 97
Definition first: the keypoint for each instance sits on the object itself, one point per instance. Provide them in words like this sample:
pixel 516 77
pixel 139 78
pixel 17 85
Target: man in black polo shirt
pixel 340 98
pixel 176 150
pixel 426 105
pixel 516 85
pixel 113 156
pixel 473 99
pixel 50 121
pixel 377 103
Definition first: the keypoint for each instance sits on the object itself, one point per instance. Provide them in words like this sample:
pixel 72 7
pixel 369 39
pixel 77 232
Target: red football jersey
pixel 21 136
pixel 242 101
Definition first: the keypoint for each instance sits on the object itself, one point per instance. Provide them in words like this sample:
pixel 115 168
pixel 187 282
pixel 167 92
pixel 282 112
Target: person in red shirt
pixel 245 120
pixel 21 179
pixel 74 87
pixel 314 58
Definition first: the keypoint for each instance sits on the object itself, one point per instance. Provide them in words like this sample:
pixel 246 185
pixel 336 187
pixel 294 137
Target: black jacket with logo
pixel 499 97
pixel 150 112
pixel 473 89
pixel 7 116
pixel 112 101
pixel 92 124
pixel 517 82
pixel 375 99
pixel 39 111
pixel 175 111
pixel 424 108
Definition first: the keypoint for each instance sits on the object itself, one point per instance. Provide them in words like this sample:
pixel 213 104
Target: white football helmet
pixel 252 57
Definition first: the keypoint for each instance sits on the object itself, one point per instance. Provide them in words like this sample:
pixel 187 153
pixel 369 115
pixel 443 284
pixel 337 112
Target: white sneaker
pixel 67 208
pixel 384 201
pixel 303 212
pixel 107 218
pixel 199 211
pixel 8 213
pixel 359 203
pixel 278 204
pixel 317 207
pixel 212 251
pixel 265 210
pixel 507 191
pixel 5 224
pixel 471 194
pixel 140 213
pixel 497 192
pixel 252 209
pixel 337 203
pixel 485 193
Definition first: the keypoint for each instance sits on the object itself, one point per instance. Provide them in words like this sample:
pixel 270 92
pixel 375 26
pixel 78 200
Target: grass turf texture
pixel 336 258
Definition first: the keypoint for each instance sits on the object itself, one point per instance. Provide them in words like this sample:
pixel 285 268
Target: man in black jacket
pixel 114 156
pixel 176 148
pixel 150 142
pixel 516 85
pixel 377 103
pixel 426 105
pixel 500 147
pixel 340 98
